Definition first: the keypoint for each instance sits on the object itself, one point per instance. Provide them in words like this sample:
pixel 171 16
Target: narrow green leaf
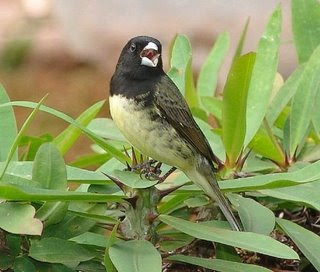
pixel 218 265
pixel 254 217
pixel 283 96
pixel 8 127
pixel 243 35
pixel 139 255
pixel 106 128
pixel 304 100
pixel 19 218
pixel 67 138
pixel 208 76
pixel 307 241
pixel 190 90
pixel 107 261
pixel 91 238
pixel 234 106
pixel 212 105
pixel 180 57
pixel 18 137
pixel 263 75
pixel 132 179
pixel 107 146
pixel 19 193
pixel 246 240
pixel 305 27
pixel 56 250
pixel 307 194
pixel 173 203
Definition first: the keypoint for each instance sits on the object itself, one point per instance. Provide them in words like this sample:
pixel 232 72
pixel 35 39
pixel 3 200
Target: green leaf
pixel 90 238
pixel 19 218
pixel 65 140
pixel 19 193
pixel 303 101
pixel 305 27
pixel 246 240
pixel 218 265
pixel 208 76
pixel 284 95
pixel 106 128
pixel 310 173
pixel 307 241
pixel 254 217
pixel 49 168
pixel 316 110
pixel 307 194
pixel 190 90
pixel 8 127
pixel 132 179
pixel 135 256
pixel 234 106
pixel 238 51
pixel 56 250
pixel 212 105
pixel 107 261
pixel 23 264
pixel 18 137
pixel 180 57
pixel 107 146
pixel 263 75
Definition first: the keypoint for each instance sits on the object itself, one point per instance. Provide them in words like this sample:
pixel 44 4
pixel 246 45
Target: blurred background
pixel 69 49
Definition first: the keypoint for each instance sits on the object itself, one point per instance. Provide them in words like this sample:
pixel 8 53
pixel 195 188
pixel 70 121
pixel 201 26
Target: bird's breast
pixel 147 131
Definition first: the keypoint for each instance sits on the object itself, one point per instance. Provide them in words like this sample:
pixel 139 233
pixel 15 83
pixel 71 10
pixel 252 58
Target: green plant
pixel 266 134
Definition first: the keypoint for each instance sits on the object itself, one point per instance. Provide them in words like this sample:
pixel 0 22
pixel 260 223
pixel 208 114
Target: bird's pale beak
pixel 150 55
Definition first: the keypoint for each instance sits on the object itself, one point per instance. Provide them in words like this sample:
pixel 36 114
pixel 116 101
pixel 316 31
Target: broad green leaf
pixel 190 90
pixel 307 194
pixel 91 238
pixel 246 240
pixel 49 168
pixel 307 241
pixel 19 218
pixel 112 239
pixel 24 193
pixel 91 160
pixel 238 51
pixel 284 95
pixel 8 127
pixel 180 57
pixel 213 105
pixel 135 256
pixel 316 112
pixel 56 250
pixel 107 146
pixel 303 101
pixel 197 201
pixel 305 27
pixel 310 173
pixel 254 217
pixel 218 265
pixel 65 140
pixel 263 75
pixel 33 144
pixel 18 137
pixel 208 76
pixel 49 171
pixel 23 264
pixel 96 217
pixel 106 128
pixel 132 179
pixel 234 106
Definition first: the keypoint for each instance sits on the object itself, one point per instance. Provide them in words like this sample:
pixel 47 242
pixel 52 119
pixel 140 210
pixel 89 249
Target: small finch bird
pixel 154 117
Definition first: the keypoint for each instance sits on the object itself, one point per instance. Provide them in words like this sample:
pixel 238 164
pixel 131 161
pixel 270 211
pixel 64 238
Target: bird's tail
pixel 205 178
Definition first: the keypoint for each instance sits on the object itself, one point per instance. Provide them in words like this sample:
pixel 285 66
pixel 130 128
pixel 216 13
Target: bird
pixel 152 114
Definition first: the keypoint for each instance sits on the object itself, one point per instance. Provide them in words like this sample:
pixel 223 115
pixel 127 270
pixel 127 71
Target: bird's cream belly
pixel 153 139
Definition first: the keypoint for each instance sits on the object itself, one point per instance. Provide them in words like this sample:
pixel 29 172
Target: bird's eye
pixel 133 47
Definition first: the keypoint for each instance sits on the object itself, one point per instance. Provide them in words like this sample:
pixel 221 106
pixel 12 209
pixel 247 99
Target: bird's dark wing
pixel 175 110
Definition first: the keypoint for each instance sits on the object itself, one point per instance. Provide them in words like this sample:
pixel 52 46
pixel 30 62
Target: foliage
pixel 120 218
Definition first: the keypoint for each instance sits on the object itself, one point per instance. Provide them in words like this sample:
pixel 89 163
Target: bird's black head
pixel 140 58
